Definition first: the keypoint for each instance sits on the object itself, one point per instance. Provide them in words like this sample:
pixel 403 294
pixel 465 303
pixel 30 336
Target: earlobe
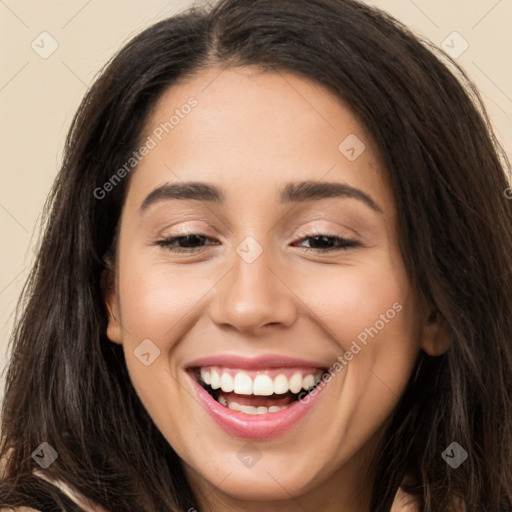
pixel 114 324
pixel 436 338
pixel 114 331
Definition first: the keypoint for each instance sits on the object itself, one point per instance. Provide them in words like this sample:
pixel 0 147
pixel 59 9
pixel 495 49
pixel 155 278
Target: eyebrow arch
pixel 315 190
pixel 183 190
pixel 292 192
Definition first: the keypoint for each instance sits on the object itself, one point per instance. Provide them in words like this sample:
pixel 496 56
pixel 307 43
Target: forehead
pixel 253 130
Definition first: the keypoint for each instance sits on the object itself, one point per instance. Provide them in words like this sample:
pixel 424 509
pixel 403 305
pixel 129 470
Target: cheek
pixel 351 300
pixel 157 302
pixel 157 299
pixel 370 315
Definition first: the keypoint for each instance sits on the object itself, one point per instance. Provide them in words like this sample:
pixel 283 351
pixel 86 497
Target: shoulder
pixel 39 492
pixel 19 509
pixel 77 498
pixel 405 502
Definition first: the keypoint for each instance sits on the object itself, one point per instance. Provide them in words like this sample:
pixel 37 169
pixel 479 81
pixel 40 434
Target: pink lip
pixel 264 426
pixel 256 363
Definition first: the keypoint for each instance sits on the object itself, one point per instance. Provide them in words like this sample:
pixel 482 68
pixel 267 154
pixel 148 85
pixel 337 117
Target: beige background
pixel 39 96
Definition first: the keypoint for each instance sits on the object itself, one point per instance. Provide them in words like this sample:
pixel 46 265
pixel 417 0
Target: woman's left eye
pixel 317 242
pixel 326 243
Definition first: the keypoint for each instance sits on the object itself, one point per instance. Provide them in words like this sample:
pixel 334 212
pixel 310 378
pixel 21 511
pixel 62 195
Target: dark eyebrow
pixel 183 190
pixel 293 192
pixel 314 190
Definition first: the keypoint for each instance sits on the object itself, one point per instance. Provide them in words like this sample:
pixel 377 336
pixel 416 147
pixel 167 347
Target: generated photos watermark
pixel 150 143
pixel 343 360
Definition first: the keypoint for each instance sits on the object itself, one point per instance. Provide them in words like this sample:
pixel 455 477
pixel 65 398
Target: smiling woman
pixel 299 298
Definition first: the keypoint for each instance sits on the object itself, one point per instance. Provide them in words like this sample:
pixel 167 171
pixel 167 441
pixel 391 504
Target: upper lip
pixel 262 362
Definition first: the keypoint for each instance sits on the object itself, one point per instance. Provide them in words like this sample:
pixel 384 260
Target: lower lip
pixel 257 426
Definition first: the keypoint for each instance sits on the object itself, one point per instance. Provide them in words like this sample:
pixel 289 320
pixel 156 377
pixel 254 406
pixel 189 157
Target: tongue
pixel 258 401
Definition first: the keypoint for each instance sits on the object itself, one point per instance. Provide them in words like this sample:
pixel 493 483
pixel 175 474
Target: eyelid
pixel 319 232
pixel 319 222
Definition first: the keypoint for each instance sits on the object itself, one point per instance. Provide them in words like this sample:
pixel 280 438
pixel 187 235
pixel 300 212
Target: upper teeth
pixel 262 384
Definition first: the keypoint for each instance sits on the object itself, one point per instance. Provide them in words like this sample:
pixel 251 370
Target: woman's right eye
pixel 184 243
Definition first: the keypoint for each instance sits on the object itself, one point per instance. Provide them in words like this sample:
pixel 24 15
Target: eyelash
pixel 344 243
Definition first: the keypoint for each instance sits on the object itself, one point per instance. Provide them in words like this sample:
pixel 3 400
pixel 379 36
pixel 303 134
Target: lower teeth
pixel 251 409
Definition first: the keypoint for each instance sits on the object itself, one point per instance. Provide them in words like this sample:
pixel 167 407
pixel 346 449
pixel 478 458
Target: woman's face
pixel 276 283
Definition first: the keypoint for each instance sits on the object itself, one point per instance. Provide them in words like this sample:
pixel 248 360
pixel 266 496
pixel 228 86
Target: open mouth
pixel 257 392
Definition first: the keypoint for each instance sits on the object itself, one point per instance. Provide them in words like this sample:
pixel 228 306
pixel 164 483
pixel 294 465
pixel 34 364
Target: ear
pixel 436 338
pixel 114 330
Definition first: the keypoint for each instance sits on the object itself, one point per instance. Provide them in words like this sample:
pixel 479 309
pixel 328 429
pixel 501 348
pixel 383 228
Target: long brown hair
pixel 68 385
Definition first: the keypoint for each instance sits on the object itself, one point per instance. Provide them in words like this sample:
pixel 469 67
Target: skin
pixel 250 134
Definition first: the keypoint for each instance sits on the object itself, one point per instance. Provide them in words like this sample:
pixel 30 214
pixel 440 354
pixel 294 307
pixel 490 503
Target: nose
pixel 253 296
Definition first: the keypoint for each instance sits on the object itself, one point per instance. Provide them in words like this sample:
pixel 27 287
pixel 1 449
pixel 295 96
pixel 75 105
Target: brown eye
pixel 326 243
pixel 185 243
